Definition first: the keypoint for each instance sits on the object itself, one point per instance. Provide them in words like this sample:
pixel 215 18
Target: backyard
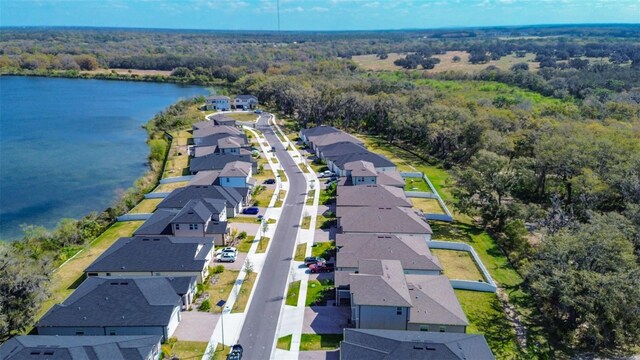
pixel 146 206
pixel 177 163
pixel 458 265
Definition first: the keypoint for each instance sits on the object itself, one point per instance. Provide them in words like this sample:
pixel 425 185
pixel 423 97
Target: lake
pixel 68 145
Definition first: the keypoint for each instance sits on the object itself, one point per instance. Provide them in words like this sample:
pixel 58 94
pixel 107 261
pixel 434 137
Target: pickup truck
pixel 321 268
pixel 313 260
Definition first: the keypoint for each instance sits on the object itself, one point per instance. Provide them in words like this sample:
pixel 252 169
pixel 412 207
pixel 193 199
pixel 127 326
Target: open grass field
pixel 222 288
pixel 310 342
pixel 146 206
pixel 458 265
pixel 292 293
pixel 301 250
pixel 170 186
pixel 429 206
pixel 284 342
pixel 447 63
pixel 242 116
pixel 70 275
pixel 189 350
pixel 245 291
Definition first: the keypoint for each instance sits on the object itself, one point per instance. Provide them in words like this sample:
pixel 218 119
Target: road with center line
pixel 259 330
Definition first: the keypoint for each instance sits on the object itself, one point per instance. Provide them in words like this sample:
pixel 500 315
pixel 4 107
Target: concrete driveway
pixel 319 355
pixel 237 265
pixel 250 228
pixel 196 326
pixel 325 319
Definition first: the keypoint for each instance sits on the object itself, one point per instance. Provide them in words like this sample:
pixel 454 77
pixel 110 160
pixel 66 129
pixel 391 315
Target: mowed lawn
pixel 242 116
pixel 170 186
pixel 458 265
pixel 429 206
pixel 146 206
pixel 178 160
pixel 69 275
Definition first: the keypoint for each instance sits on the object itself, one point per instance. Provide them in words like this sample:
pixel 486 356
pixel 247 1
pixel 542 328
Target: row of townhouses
pixel 401 303
pixel 133 294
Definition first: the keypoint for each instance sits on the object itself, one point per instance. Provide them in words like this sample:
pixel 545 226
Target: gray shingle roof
pixel 31 347
pixel 382 220
pixel 434 301
pixel 339 149
pixel 246 97
pixel 200 151
pixel 332 138
pixel 379 283
pixel 370 344
pixel 229 143
pixel 202 124
pixel 180 197
pixel 106 301
pixel 210 140
pixel 219 97
pixel 196 212
pixel 154 254
pixel 216 161
pixel 236 169
pixel 390 178
pixel 412 251
pixel 318 131
pixel 205 177
pixel 371 195
pixel 158 224
pixel 361 168
pixel 377 160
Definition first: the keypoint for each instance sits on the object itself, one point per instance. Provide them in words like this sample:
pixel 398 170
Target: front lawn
pixel 324 249
pixel 292 293
pixel 146 206
pixel 262 196
pixel 323 222
pixel 219 287
pixel 71 274
pixel 189 349
pixel 242 116
pixel 245 292
pixel 245 244
pixel 318 292
pixel 458 265
pixel 310 342
pixel 263 175
pixel 262 245
pixel 246 219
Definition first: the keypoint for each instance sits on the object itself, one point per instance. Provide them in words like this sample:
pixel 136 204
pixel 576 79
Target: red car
pixel 321 268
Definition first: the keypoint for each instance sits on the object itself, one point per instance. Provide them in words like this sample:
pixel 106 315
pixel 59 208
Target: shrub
pixel 205 306
pixel 243 235
pixel 218 269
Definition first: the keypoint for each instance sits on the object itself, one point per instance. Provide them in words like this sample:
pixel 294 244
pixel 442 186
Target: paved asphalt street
pixel 259 329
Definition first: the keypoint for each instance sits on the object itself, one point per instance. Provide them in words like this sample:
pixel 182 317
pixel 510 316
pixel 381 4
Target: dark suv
pixel 235 353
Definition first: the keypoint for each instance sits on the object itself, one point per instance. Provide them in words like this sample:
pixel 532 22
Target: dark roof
pixel 236 169
pixel 216 227
pixel 230 143
pixel 200 151
pixel 383 220
pixel 332 138
pixel 370 344
pixel 339 149
pixel 180 197
pixel 371 195
pixel 246 97
pixel 154 254
pixel 216 161
pixel 379 283
pixel 158 224
pixel 202 124
pixel 182 284
pixel 319 130
pixel 361 168
pixel 219 97
pixel 390 178
pixel 199 211
pixel 205 177
pixel 107 301
pixel 33 347
pixel 377 160
pixel 412 251
pixel 213 139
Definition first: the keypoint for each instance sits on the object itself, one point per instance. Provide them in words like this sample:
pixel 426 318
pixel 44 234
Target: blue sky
pixel 313 14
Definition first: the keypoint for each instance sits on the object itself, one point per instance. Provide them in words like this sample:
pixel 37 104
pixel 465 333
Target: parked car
pixel 235 353
pixel 228 249
pixel 321 268
pixel 251 211
pixel 313 260
pixel 227 257
pixel 326 173
pixel 258 111
pixel 260 217
pixel 270 181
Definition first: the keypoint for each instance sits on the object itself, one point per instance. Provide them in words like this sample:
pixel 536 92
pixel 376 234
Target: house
pixel 338 149
pixel 316 131
pixel 200 151
pixel 236 174
pixel 390 178
pixel 383 297
pixel 229 146
pixel 178 198
pixel 212 129
pixel 122 306
pixel 218 102
pixel 379 162
pixel 371 195
pixel 140 347
pixel 202 125
pixel 205 177
pixel 213 139
pixel 373 344
pixel 205 218
pixel 316 142
pixel 218 162
pixel 245 102
pixel 154 256
pixel 381 220
pixel 361 172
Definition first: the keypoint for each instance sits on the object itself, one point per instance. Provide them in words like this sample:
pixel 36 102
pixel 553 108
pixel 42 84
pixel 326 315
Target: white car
pixel 227 257
pixel 228 249
pixel 326 173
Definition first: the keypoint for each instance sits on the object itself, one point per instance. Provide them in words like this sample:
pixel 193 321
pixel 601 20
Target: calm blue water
pixel 68 145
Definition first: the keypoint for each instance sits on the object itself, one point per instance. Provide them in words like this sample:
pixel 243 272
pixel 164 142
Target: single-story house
pixel 236 198
pixel 338 149
pixel 154 256
pixel 379 162
pixel 316 131
pixel 122 306
pixel 205 218
pixel 236 174
pixel 361 172
pixel 223 119
pixel 218 162
pixel 245 102
pixel 315 142
pixel 381 220
pixel 388 178
pixel 383 297
pixel 136 347
pixel 371 195
pixel 374 344
pixel 218 102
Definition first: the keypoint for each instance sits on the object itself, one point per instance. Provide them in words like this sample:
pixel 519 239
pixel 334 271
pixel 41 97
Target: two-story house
pixel 218 102
pixel 245 102
pixel 236 174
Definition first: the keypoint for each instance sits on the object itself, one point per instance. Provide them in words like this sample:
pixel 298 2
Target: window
pixel 177 226
pixel 424 327
pixel 79 332
pixel 193 226
pixel 112 332
pixel 228 179
pixel 442 328
pixel 399 311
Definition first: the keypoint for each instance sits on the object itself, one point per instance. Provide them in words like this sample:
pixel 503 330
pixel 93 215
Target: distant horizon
pixel 315 15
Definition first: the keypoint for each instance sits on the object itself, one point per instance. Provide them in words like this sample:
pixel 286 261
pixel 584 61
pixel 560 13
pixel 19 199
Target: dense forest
pixel 547 160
